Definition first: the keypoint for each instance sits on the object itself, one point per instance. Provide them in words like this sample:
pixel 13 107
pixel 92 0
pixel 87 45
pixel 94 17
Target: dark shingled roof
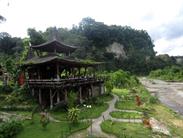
pixel 54 58
pixel 53 46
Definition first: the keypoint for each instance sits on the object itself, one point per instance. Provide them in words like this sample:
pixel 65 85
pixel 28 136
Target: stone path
pixel 95 127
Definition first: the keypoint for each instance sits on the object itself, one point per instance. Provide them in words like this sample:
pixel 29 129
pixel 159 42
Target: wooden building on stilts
pixel 51 74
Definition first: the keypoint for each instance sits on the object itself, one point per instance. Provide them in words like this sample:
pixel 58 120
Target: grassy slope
pixel 173 121
pixel 170 118
pixel 122 130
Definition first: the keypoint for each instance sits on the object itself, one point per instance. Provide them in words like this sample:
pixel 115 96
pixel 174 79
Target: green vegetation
pixel 72 99
pixel 173 73
pixel 96 41
pixel 73 115
pixel 16 99
pixel 127 98
pixel 121 92
pixel 105 97
pixel 130 105
pixel 150 107
pixel 44 120
pixel 122 130
pixel 93 112
pixel 10 129
pixel 126 115
pixel 120 79
pixel 169 118
pixel 87 110
pixel 64 128
pixel 54 130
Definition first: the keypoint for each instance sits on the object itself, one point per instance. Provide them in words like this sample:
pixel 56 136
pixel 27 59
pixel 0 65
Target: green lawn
pixel 60 115
pixel 129 130
pixel 62 129
pixel 53 130
pixel 85 113
pixel 105 97
pixel 121 92
pixel 93 112
pixel 127 105
pixel 125 115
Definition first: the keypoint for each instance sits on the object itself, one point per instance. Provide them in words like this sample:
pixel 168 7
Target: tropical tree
pixel 73 114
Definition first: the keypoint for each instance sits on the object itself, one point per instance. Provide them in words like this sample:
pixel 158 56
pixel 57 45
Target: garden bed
pixel 126 115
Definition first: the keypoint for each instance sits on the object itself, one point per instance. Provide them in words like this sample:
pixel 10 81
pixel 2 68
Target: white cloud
pixel 173 47
pixel 150 15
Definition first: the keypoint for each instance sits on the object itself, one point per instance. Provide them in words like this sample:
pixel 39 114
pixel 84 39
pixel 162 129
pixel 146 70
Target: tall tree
pixel 10 45
pixel 36 37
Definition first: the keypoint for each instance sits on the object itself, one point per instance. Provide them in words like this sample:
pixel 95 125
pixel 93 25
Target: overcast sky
pixel 163 19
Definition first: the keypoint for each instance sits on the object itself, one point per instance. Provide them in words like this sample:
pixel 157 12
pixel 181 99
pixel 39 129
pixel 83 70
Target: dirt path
pixel 169 93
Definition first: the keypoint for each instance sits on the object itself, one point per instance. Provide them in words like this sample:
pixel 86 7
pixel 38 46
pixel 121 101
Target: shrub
pixel 120 79
pixel 73 114
pixel 10 129
pixel 44 119
pixel 173 73
pixel 109 86
pixel 72 99
pixel 153 99
pixel 6 88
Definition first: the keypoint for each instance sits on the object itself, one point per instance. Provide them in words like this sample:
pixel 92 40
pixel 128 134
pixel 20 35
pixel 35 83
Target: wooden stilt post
pixel 58 72
pixel 58 96
pixel 80 95
pixel 40 97
pixel 91 94
pixel 39 76
pixel 33 92
pixel 51 99
pixel 102 89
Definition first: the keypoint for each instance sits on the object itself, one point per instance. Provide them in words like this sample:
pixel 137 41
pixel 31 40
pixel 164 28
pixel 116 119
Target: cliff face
pixel 117 49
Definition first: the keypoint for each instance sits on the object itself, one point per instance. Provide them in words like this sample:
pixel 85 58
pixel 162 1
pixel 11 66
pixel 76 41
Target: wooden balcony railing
pixel 63 82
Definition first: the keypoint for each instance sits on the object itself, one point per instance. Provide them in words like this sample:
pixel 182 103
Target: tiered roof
pixel 57 59
pixel 54 46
